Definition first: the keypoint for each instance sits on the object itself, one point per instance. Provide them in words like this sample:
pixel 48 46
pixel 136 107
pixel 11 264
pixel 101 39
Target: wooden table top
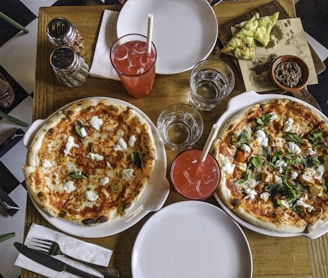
pixel 272 257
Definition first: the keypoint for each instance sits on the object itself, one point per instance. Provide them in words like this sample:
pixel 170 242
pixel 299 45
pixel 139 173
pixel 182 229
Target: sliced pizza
pixel 242 44
pixel 274 162
pixel 90 161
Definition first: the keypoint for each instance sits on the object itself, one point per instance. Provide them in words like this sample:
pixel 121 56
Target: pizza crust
pixel 95 177
pixel 308 211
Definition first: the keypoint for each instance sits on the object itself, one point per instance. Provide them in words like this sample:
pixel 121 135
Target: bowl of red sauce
pixel 289 73
pixel 192 178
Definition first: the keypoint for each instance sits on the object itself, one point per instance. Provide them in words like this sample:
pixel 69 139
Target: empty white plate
pixel 191 239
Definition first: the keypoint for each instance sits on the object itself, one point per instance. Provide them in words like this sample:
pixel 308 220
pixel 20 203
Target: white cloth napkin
pixel 69 245
pixel 101 64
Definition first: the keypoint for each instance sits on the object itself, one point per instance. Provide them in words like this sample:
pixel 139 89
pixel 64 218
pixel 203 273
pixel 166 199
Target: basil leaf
pixel 242 139
pixel 257 161
pixel 136 159
pixel 246 177
pixel 263 121
pixel 78 127
pixel 77 175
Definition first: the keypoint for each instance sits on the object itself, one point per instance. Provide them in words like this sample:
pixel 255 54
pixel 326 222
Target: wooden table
pixel 272 257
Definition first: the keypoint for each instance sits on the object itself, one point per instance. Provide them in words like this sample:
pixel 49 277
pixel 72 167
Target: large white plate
pixel 152 199
pixel 185 31
pixel 239 103
pixel 191 239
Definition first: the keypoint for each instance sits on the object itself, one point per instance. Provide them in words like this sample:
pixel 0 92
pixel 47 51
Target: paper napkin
pixel 101 65
pixel 69 245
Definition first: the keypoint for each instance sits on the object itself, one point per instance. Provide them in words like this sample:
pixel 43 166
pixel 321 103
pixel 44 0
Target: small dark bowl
pixel 304 70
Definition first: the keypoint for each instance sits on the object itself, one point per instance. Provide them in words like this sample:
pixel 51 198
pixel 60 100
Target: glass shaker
pixel 61 32
pixel 71 69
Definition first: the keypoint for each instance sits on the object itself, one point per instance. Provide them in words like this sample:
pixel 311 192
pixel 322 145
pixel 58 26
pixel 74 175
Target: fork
pixel 52 248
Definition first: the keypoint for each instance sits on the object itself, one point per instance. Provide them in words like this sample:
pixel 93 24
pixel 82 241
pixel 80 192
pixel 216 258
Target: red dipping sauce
pixel 192 178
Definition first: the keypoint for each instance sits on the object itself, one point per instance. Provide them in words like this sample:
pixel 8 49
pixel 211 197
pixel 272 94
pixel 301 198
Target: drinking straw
pixel 150 32
pixel 13 22
pixel 209 141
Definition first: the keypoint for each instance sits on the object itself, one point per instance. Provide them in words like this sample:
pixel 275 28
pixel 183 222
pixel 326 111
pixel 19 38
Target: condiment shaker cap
pixel 64 60
pixel 60 31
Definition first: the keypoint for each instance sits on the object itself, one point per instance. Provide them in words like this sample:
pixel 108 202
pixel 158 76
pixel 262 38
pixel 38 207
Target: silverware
pixel 52 248
pixel 5 201
pixel 51 262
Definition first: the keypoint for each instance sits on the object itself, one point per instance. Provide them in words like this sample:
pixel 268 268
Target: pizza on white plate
pixel 90 161
pixel 274 161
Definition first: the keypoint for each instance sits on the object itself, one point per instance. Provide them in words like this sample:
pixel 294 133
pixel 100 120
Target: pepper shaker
pixel 71 70
pixel 61 32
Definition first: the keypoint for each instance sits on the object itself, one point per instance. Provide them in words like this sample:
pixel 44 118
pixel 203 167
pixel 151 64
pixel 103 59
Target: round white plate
pixel 185 31
pixel 152 199
pixel 235 105
pixel 191 239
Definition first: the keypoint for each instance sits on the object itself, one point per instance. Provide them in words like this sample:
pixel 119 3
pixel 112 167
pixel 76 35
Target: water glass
pixel 180 126
pixel 210 81
pixel 133 64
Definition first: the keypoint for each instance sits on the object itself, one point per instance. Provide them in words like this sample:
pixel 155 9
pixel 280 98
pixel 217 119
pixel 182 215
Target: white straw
pixel 150 32
pixel 209 141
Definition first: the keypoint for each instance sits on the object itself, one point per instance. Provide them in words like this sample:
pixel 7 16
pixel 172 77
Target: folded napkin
pixel 101 64
pixel 70 246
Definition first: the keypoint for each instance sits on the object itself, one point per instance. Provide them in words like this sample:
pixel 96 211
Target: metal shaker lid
pixel 60 31
pixel 64 60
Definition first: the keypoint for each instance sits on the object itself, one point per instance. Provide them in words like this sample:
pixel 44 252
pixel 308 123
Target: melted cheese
pixel 96 123
pixel 69 145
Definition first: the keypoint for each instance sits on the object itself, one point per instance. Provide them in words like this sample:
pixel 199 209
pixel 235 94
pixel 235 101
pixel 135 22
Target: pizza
pixel 274 166
pixel 90 161
pixel 242 45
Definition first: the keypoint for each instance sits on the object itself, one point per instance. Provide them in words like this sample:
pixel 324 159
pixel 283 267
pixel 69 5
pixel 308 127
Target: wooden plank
pixel 266 9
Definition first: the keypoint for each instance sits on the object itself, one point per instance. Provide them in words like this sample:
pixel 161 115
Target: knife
pixel 50 262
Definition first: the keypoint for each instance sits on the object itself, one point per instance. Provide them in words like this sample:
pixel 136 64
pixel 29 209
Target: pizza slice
pixel 263 30
pixel 242 44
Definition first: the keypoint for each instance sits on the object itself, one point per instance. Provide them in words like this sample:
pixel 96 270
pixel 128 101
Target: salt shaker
pixel 61 32
pixel 71 69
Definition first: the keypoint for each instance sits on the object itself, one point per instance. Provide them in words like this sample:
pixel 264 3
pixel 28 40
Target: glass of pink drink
pixel 193 178
pixel 134 65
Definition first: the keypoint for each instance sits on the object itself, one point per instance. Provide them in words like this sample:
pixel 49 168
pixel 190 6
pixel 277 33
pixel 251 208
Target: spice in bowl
pixel 289 73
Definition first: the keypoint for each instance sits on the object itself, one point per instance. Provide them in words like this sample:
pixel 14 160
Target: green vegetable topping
pixel 136 159
pixel 292 137
pixel 242 139
pixel 263 121
pixel 257 161
pixel 316 137
pixel 78 128
pixel 246 177
pixel 77 175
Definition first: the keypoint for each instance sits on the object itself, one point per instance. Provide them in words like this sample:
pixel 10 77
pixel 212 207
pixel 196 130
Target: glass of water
pixel 180 126
pixel 210 81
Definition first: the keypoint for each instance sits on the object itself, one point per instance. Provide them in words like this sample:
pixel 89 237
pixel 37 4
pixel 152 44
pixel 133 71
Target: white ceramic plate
pixel 235 105
pixel 185 31
pixel 152 199
pixel 191 239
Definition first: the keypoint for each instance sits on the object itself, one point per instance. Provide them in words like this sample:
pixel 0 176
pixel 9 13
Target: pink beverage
pixel 192 178
pixel 134 66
